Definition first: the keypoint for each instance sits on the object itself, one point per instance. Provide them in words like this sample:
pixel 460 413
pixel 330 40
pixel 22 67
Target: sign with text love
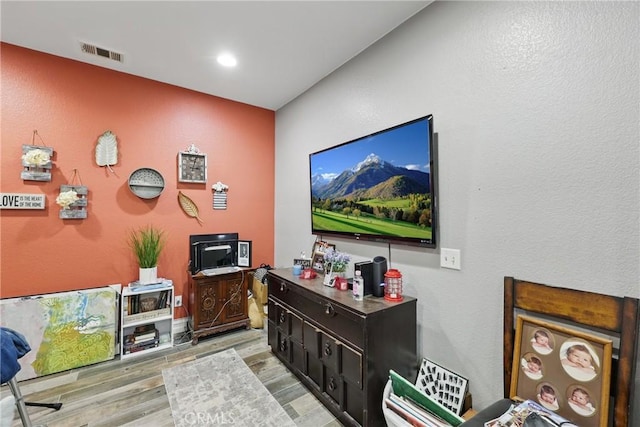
pixel 21 201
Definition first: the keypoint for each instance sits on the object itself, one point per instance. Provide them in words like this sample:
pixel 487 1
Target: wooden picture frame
pixel 244 253
pixel 318 251
pixel 321 246
pixel 565 370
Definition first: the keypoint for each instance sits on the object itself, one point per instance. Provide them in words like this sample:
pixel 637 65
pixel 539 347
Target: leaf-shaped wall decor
pixel 188 206
pixel 107 150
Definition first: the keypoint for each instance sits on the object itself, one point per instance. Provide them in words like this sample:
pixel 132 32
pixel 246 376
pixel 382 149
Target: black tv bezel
pixel 433 184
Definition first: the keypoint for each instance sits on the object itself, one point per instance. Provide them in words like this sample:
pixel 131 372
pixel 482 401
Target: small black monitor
pixel 208 251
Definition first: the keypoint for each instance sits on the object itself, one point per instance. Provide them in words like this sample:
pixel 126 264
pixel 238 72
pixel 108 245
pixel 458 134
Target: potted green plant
pixel 147 243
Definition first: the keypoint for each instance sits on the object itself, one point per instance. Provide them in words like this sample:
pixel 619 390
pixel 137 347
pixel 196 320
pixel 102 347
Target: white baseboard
pixel 180 325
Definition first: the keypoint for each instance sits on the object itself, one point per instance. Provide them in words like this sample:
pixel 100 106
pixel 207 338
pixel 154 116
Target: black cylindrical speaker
pixel 379 268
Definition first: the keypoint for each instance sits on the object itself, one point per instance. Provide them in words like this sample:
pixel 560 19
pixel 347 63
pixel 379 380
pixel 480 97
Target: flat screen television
pixel 209 251
pixel 379 187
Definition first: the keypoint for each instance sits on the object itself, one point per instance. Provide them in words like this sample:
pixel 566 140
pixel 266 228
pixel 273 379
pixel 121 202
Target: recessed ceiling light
pixel 227 60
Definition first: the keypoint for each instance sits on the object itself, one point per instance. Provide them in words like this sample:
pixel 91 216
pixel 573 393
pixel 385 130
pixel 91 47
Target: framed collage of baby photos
pixel 566 371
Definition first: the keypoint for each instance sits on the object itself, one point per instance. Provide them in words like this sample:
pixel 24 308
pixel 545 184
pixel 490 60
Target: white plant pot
pixel 148 275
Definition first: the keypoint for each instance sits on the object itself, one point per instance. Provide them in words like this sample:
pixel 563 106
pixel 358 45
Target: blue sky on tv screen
pixel 406 146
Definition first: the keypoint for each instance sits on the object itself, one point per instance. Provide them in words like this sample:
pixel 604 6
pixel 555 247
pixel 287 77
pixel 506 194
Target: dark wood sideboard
pixel 218 303
pixel 341 349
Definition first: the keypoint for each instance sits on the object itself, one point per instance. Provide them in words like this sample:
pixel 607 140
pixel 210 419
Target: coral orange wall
pixel 71 104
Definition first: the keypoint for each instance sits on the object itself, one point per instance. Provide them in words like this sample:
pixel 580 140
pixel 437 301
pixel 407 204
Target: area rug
pixel 221 390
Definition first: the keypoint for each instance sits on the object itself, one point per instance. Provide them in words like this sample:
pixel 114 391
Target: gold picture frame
pixel 565 370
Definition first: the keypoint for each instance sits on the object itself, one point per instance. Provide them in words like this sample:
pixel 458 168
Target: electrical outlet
pixel 450 258
pixel 178 301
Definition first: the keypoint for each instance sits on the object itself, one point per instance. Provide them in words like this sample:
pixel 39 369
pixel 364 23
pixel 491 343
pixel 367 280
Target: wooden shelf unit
pixel 132 317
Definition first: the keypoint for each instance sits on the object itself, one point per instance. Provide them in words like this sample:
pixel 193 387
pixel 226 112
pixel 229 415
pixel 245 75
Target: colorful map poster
pixel 65 330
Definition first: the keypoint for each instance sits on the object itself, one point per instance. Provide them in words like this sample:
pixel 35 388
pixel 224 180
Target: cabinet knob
pixel 283 317
pixel 329 310
pixel 283 344
pixel 332 384
pixel 283 287
pixel 327 349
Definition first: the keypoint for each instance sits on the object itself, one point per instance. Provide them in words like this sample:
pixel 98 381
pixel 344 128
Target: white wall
pixel 536 106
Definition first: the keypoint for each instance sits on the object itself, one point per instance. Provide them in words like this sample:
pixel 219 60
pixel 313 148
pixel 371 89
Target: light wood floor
pixel 132 393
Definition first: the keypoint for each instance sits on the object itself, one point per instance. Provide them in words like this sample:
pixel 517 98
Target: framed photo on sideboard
pixel 244 253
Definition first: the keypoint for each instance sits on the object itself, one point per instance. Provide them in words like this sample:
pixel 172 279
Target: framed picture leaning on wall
pixel 244 253
pixel 565 370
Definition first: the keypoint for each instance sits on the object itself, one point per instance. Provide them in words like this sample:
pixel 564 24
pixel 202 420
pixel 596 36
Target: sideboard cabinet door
pixel 218 303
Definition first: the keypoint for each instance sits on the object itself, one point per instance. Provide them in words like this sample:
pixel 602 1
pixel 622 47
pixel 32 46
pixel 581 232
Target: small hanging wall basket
pixel 36 160
pixel 220 195
pixel 73 199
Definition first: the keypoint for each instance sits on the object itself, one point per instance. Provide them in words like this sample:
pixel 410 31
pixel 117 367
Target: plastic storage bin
pixel 392 419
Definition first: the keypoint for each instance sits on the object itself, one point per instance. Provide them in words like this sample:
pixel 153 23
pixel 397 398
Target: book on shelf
pixel 131 340
pixel 163 298
pixel 133 348
pixel 133 304
pixel 412 395
pixel 144 329
pixel 145 337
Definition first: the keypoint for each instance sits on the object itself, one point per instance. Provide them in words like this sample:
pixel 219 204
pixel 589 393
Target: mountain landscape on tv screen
pixel 374 198
pixel 369 179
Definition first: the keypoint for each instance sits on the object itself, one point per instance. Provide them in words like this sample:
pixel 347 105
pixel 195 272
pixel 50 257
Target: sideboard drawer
pixel 351 365
pixel 311 340
pixel 334 354
pixel 326 313
pixel 329 352
pixel 296 323
pixel 333 386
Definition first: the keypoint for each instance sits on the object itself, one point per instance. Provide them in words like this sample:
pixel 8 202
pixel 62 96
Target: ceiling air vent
pixel 98 51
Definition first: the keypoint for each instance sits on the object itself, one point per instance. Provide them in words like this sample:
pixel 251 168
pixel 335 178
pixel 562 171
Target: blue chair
pixel 13 347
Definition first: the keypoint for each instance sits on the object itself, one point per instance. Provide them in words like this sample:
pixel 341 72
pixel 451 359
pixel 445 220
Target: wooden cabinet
pixel 218 303
pixel 341 349
pixel 146 318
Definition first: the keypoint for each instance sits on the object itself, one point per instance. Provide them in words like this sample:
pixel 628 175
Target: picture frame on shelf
pixel 319 249
pixel 321 246
pixel 244 253
pixel 565 370
pixel 304 262
pixel 317 262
